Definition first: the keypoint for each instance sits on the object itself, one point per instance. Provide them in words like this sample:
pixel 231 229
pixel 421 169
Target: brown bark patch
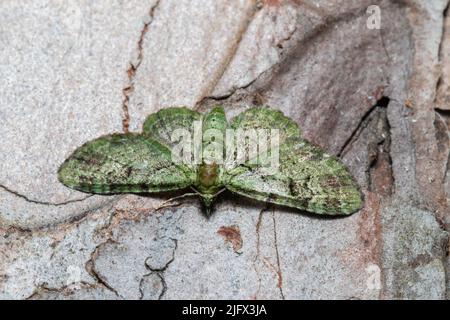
pixel 232 234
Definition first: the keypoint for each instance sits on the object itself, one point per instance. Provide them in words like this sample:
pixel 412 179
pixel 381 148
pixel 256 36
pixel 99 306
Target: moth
pixel 303 177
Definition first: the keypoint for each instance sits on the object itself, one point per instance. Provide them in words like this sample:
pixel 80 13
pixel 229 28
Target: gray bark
pixel 378 98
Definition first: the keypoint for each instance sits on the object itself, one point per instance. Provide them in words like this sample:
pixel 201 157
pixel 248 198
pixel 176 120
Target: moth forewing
pixel 247 146
pixel 121 163
pixel 182 147
pixel 257 147
pixel 230 150
pixel 268 151
pixel 197 141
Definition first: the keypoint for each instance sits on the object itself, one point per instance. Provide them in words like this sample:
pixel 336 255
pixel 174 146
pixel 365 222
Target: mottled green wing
pixel 160 125
pixel 307 179
pixel 255 131
pixel 124 163
pixel 266 118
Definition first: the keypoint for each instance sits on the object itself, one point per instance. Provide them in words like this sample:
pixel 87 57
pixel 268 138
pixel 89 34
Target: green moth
pixel 216 155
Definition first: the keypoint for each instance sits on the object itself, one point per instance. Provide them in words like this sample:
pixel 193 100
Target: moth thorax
pixel 208 176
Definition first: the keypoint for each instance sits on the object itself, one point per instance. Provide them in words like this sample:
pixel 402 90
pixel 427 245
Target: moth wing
pixel 160 125
pixel 124 163
pixel 307 178
pixel 253 129
pixel 266 118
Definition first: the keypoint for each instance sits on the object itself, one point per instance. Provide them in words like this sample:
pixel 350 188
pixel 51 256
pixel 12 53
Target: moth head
pixel 208 200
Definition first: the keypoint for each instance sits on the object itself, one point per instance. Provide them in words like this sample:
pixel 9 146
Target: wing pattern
pixel 307 178
pixel 124 163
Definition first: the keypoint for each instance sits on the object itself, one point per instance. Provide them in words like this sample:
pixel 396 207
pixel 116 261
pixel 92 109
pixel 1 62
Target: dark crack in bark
pixel 132 69
pixel 234 89
pixel 5 226
pixel 57 204
pixel 159 272
pixel 279 273
pixel 163 283
pixel 380 174
pixel 228 57
pixel 162 269
pixel 64 290
pixel 269 76
pixel 362 124
pixel 299 49
pixel 90 268
pixel 256 257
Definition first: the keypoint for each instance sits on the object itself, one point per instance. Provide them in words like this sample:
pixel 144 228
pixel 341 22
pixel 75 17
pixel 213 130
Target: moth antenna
pixel 219 192
pixel 196 191
pixel 164 203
